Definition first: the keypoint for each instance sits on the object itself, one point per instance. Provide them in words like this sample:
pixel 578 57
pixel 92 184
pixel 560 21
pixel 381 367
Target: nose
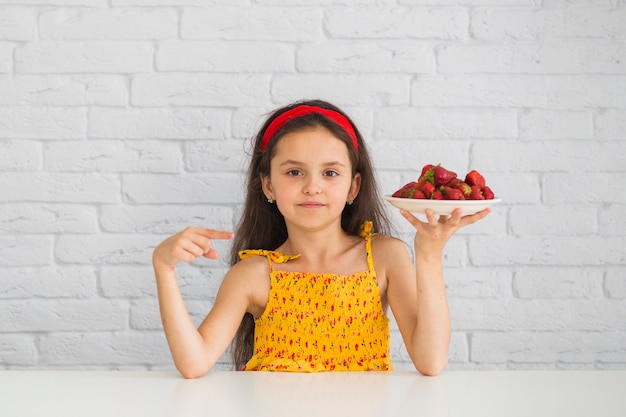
pixel 312 186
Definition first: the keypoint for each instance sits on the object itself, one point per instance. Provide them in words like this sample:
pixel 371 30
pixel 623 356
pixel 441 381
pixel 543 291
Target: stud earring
pixel 350 202
pixel 271 201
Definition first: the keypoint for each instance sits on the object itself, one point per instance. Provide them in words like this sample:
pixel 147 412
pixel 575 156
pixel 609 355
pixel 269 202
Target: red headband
pixel 301 111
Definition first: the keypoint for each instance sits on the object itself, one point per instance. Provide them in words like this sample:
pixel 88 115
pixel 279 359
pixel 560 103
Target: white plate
pixel 440 206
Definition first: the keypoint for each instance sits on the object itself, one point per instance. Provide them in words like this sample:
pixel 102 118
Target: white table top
pixel 232 394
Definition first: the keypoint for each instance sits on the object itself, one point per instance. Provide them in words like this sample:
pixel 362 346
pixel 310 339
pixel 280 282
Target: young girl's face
pixel 311 178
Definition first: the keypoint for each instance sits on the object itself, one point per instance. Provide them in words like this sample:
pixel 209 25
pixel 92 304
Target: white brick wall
pixel 123 121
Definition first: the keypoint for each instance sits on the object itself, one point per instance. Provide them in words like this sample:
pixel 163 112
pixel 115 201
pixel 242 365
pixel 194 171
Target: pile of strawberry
pixel 437 183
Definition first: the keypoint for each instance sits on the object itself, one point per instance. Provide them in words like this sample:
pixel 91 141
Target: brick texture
pixel 123 121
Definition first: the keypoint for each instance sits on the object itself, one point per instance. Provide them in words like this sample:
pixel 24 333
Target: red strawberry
pixel 442 176
pixel 487 193
pixel 426 168
pixel 402 192
pixel 465 189
pixel 475 194
pixel 453 183
pixel 418 195
pixel 428 189
pixel 436 195
pixel 429 174
pixel 452 193
pixel 475 178
pixel 419 185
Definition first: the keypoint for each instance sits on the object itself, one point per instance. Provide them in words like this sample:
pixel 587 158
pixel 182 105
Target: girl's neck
pixel 318 245
pixel 323 252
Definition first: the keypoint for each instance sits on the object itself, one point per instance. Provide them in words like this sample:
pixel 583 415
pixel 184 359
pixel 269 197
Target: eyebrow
pixel 293 162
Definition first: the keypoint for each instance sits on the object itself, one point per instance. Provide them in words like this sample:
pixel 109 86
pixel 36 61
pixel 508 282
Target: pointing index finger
pixel 216 234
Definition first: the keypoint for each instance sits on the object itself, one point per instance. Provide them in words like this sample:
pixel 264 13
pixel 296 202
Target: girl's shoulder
pixel 249 279
pixel 248 272
pixel 250 264
pixel 252 273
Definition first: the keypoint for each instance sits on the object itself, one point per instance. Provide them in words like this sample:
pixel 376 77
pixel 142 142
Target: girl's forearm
pixel 185 342
pixel 431 337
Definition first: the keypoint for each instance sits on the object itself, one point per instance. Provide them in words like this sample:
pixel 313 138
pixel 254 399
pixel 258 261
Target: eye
pixel 294 172
pixel 331 173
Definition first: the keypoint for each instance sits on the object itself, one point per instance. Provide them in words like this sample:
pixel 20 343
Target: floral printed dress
pixel 321 322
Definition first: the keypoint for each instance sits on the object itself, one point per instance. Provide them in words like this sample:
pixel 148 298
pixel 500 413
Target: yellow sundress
pixel 321 322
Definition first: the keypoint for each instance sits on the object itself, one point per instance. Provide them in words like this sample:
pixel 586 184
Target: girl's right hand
pixel 187 245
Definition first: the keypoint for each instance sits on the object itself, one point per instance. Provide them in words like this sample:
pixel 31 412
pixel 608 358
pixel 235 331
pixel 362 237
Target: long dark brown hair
pixel 262 226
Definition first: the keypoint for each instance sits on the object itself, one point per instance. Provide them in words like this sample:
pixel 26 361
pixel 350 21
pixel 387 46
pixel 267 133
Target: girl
pixel 313 267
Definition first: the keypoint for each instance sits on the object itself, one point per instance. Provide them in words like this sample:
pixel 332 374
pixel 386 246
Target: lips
pixel 311 204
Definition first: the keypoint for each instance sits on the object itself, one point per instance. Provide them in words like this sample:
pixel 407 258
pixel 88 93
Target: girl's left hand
pixel 433 234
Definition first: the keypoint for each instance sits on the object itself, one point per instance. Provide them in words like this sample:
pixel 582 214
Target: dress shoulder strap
pixel 272 256
pixel 366 233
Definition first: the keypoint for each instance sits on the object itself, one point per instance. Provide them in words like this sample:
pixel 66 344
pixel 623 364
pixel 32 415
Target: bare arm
pixel 420 304
pixel 195 351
